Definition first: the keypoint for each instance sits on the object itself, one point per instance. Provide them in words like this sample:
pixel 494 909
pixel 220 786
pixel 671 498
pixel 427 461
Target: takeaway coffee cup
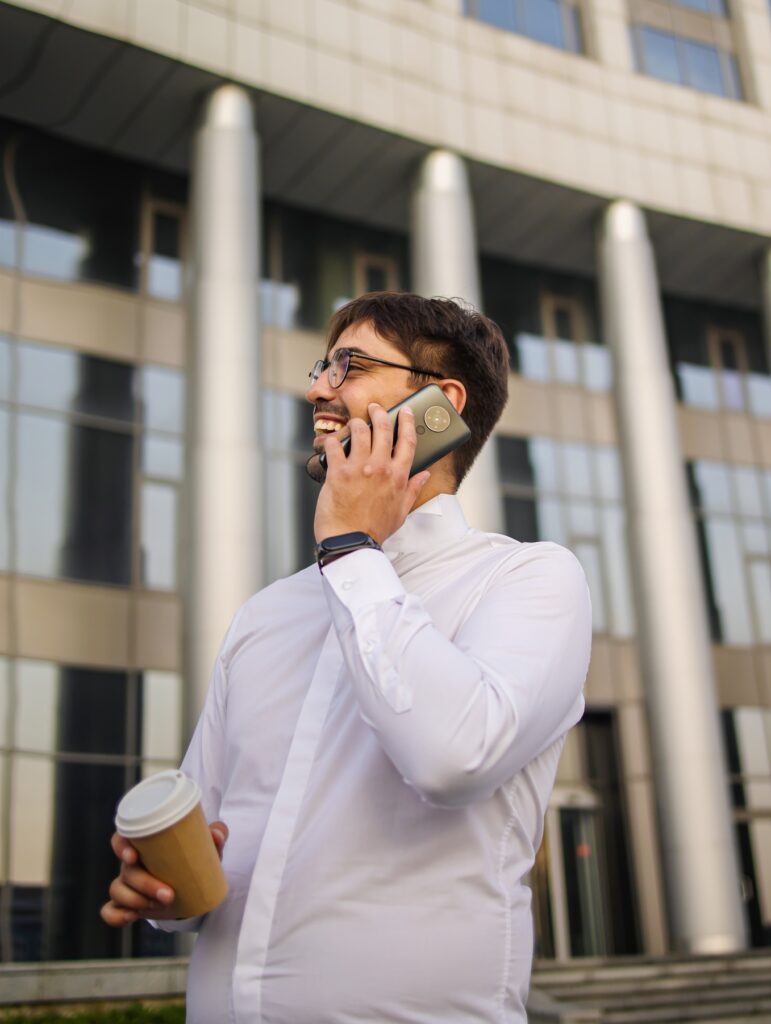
pixel 163 818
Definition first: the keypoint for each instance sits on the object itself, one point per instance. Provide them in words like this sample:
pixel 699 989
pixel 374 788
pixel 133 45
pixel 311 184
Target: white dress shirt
pixel 382 742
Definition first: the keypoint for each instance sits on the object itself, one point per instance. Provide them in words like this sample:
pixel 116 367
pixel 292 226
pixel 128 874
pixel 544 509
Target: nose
pixel 320 389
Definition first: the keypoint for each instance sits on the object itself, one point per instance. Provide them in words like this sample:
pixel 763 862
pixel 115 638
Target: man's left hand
pixel 370 490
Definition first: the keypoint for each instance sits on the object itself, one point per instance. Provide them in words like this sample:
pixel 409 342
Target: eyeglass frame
pixel 323 364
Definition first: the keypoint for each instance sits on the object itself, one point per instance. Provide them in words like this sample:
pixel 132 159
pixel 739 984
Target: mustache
pixel 331 409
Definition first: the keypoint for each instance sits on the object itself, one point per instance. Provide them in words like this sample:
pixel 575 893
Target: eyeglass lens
pixel 337 367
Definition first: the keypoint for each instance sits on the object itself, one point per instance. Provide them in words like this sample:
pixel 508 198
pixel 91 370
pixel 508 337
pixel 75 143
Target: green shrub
pixel 136 1014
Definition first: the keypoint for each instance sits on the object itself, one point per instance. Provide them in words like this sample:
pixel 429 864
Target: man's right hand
pixel 135 893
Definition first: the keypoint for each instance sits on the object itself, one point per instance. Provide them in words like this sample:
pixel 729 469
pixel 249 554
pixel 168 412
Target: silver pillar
pixel 697 841
pixel 223 548
pixel 444 262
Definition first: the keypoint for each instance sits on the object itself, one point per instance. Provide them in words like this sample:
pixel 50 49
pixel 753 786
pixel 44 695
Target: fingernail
pixel 127 856
pixel 165 895
pixel 408 410
pixel 217 832
pixel 129 916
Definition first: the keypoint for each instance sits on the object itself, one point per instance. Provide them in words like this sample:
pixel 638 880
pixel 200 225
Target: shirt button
pixel 369 646
pixel 346 584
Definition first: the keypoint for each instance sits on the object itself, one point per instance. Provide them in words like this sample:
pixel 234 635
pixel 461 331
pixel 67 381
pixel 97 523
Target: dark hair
pixel 448 336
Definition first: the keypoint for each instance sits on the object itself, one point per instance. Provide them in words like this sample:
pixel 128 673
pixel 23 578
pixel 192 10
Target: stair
pixel 733 989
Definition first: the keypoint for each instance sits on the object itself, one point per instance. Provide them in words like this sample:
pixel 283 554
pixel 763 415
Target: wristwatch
pixel 332 548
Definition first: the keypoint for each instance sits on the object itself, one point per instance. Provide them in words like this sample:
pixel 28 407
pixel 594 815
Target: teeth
pixel 327 426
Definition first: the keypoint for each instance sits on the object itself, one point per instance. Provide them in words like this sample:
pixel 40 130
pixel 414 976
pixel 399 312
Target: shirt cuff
pixel 363 578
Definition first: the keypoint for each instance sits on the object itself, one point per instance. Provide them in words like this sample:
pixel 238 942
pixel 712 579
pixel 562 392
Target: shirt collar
pixel 438 523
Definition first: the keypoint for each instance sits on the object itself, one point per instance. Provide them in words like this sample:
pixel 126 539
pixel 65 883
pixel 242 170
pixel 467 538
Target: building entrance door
pixel 570 899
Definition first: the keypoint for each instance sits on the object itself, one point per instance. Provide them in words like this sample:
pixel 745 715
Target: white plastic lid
pixel 156 803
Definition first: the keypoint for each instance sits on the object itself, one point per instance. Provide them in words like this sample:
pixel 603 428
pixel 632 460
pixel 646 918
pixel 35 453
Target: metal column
pixel 222 553
pixel 444 262
pixel 697 840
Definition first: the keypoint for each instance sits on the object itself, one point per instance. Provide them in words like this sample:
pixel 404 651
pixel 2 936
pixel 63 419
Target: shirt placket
pixel 260 907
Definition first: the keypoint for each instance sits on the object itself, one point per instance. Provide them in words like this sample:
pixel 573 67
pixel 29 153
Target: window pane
pixel 279 303
pixel 607 469
pixel 713 486
pixel 50 252
pixel 533 357
pixel 5 367
pixel 520 516
pixel 163 399
pixel 7 243
pixel 291 503
pixel 287 423
pixel 163 456
pixel 703 67
pixel 159 536
pixel 659 52
pixel 73 501
pixel 5 683
pixel 732 389
pixel 161 715
pixel 32 795
pixel 747 491
pixel 582 519
pixel 497 12
pixel 589 556
pixel 755 538
pixel 577 469
pixel 551 521
pixel 164 267
pixel 565 355
pixel 698 386
pixel 37 705
pixel 727 570
pixel 759 390
pixel 544 456
pixel 5 526
pixel 616 561
pixel 514 462
pixel 597 367
pixel 543 21
pixel 60 379
pixel 760 581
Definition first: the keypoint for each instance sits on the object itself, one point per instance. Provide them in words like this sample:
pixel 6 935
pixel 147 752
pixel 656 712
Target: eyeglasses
pixel 340 364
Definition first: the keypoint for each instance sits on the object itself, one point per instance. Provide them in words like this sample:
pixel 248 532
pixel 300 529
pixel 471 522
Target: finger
pixel 361 439
pixel 382 432
pixel 416 485
pixel 219 833
pixel 127 898
pixel 147 885
pixel 407 439
pixel 115 916
pixel 123 849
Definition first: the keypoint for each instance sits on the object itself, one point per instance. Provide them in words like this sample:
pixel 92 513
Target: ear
pixel 455 392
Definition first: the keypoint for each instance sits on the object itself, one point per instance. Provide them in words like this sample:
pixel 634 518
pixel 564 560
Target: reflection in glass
pixel 565 355
pixel 164 265
pixel 163 399
pixel 514 461
pixel 497 12
pixel 583 873
pixel 37 706
pixel 760 582
pixel 49 252
pixel 5 367
pixel 73 501
pixel 659 54
pixel 64 380
pixel 727 572
pixel 163 457
pixel 5 463
pixel 520 518
pixel 588 554
pixel 161 715
pixel 159 536
pixel 698 386
pixel 703 67
pixel 543 22
pixel 31 820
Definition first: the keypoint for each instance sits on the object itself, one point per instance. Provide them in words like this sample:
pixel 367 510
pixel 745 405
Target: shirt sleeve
pixel 459 717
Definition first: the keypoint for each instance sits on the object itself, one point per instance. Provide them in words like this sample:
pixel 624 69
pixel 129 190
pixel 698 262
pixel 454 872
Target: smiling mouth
pixel 323 427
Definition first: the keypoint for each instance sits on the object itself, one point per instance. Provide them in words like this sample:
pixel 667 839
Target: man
pixel 382 738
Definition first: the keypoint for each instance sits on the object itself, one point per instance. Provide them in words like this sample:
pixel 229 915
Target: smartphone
pixel 439 427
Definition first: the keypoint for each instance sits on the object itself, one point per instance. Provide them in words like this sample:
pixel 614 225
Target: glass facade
pixel 553 22
pixel 683 61
pixel 571 493
pixel 313 264
pixel 78 738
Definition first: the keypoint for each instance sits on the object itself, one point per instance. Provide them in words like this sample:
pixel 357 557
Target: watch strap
pixel 332 548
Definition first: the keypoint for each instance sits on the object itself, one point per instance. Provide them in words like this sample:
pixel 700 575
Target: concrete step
pixel 757 1011
pixel 607 988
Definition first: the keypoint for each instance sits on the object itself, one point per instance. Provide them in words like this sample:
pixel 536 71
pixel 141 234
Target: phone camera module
pixel 436 418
